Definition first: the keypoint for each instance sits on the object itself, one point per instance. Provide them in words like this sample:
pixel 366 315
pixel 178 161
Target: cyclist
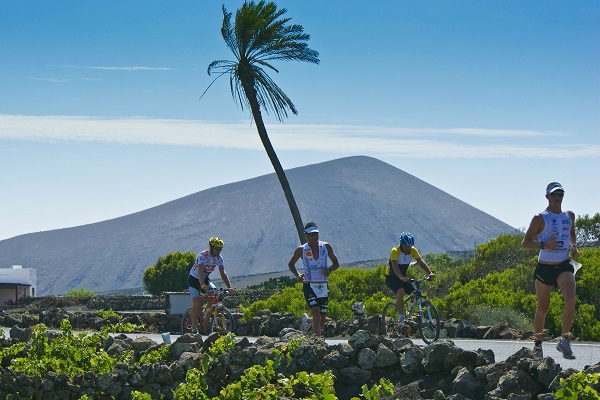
pixel 395 274
pixel 198 280
pixel 314 254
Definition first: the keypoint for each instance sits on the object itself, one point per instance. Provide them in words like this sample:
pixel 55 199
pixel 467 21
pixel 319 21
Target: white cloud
pixel 53 80
pixel 346 140
pixel 109 68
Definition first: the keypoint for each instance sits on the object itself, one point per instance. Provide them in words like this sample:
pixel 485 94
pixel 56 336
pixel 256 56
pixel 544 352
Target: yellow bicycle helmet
pixel 216 242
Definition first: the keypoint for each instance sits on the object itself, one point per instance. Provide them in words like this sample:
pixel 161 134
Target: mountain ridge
pixel 360 204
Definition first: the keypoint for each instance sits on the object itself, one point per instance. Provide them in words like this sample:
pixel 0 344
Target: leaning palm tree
pixel 258 37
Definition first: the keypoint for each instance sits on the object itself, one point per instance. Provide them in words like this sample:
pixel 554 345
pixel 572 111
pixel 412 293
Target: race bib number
pixel 320 289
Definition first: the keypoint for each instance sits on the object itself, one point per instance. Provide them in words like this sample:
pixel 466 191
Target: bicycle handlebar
pixel 412 280
pixel 215 291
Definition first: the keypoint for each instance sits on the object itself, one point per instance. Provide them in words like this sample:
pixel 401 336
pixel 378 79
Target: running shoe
pixel 564 346
pixel 304 324
pixel 195 332
pixel 538 352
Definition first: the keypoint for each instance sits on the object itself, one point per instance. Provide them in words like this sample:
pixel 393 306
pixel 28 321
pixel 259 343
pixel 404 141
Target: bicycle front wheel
pixel 222 321
pixel 186 322
pixel 389 320
pixel 429 322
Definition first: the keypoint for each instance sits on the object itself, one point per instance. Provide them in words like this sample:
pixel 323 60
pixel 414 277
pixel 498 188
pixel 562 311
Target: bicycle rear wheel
pixel 222 321
pixel 429 322
pixel 389 320
pixel 186 322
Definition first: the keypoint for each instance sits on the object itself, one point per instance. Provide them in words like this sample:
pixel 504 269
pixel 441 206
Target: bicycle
pixel 221 319
pixel 418 311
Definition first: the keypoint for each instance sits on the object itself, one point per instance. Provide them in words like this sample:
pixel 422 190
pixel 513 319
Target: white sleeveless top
pixel 557 226
pixel 314 264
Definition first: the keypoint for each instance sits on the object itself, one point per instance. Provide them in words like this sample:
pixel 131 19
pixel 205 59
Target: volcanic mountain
pixel 360 204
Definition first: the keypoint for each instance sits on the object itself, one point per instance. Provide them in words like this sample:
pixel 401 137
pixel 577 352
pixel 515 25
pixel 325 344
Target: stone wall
pixel 232 301
pixel 438 371
pixel 266 323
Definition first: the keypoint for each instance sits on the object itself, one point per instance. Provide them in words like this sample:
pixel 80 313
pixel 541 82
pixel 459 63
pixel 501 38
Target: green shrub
pixel 289 300
pixel 169 274
pixel 587 230
pixel 497 281
pixel 514 289
pixel 80 292
pixel 505 289
pixel 275 283
pixel 486 315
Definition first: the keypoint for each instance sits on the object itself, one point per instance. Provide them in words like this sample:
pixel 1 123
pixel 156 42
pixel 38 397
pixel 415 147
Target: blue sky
pixel 101 116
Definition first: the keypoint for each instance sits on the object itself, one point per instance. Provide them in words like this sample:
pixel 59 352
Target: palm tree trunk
pixel 264 137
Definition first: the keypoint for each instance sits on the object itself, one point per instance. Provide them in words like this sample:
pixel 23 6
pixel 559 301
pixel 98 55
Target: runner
pixel 314 254
pixel 553 232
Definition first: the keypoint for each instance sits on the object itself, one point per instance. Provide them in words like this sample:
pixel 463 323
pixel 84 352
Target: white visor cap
pixel 312 229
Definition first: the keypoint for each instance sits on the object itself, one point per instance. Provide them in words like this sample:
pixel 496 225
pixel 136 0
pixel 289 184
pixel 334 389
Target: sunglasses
pixel 559 194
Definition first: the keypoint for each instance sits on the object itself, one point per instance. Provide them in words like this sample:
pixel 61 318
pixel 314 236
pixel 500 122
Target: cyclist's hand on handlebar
pixel 431 276
pixel 231 289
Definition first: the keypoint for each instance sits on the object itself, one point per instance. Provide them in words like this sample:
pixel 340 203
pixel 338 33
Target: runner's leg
pixel 542 292
pixel 566 283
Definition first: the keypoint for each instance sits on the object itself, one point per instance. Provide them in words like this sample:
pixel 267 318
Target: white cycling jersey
pixel 209 263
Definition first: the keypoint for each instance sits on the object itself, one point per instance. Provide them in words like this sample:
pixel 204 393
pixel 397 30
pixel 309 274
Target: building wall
pixel 21 277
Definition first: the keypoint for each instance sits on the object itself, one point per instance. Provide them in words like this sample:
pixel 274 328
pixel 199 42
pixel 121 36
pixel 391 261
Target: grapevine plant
pixel 263 382
pixel 67 353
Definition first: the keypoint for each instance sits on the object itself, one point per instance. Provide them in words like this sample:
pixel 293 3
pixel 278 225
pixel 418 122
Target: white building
pixel 16 282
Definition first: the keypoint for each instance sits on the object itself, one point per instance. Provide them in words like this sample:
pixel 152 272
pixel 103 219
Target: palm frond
pixel 227 32
pixel 260 35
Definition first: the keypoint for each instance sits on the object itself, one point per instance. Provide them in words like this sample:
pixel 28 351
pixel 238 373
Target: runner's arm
pixel 335 264
pixel 292 263
pixel 535 228
pixel 573 237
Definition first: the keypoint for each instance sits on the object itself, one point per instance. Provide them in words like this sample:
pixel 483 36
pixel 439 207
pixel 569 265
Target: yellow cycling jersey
pixel 401 257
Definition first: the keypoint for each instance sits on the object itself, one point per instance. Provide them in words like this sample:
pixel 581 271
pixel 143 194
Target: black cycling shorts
pixel 547 273
pixel 195 282
pixel 394 283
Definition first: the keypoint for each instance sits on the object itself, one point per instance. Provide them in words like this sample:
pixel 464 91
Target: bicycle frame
pixel 211 296
pixel 418 310
pixel 217 316
pixel 415 298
